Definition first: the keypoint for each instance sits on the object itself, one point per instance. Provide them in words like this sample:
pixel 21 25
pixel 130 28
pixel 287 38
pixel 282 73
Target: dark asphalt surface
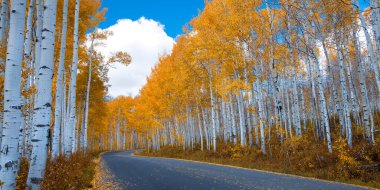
pixel 143 173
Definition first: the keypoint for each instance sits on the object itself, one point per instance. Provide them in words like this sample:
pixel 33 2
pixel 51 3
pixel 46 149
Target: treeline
pixel 47 69
pixel 254 72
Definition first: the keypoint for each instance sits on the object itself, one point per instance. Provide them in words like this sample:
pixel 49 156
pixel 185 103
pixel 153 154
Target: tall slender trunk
pixel 3 19
pixel 38 36
pixel 370 48
pixel 296 107
pixel 288 112
pixel 261 115
pixel 205 129
pixel 232 110
pixel 375 15
pixel 9 157
pixel 42 108
pixel 314 103
pixel 239 101
pixel 346 109
pixel 28 58
pixel 363 87
pixel 28 34
pixel 352 90
pixel 87 104
pixel 72 89
pixel 200 128
pixel 303 107
pixel 322 101
pixel 59 86
pixel 331 80
pixel 125 136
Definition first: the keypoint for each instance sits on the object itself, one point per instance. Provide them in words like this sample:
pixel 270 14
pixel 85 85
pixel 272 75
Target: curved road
pixel 143 173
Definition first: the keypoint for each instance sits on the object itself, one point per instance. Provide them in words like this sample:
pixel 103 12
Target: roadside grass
pixel 298 156
pixel 74 172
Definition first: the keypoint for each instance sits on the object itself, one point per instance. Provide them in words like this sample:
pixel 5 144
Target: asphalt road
pixel 143 173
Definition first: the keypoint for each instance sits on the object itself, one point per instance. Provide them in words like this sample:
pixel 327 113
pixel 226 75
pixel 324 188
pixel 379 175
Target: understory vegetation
pixel 74 172
pixel 299 156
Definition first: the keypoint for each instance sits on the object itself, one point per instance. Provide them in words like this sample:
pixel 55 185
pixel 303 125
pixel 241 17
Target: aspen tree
pixel 9 156
pixel 42 107
pixel 59 86
pixel 70 127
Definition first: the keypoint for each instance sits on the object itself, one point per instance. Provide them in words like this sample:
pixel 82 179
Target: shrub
pixel 75 172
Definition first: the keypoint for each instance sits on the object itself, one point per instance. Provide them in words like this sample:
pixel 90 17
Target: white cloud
pixel 145 40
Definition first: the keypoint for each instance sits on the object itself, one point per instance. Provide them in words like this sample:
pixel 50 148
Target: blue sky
pixel 174 14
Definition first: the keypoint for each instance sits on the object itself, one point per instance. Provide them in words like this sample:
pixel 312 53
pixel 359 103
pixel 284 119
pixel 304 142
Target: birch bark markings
pixel 70 128
pixel 43 104
pixel 59 86
pixel 87 104
pixel 375 16
pixel 363 87
pixel 9 156
pixel 38 37
pixel 3 19
pixel 212 114
pixel 3 28
pixel 345 97
pixel 369 45
pixel 28 58
pixel 322 99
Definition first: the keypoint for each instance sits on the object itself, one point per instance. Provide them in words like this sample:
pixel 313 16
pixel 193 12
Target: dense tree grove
pixel 47 68
pixel 257 73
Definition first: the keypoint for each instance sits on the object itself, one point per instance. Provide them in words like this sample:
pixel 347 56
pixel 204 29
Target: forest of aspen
pixel 291 86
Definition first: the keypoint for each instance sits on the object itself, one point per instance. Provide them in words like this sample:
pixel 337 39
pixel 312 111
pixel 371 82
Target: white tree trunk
pixel 9 157
pixel 213 117
pixel 296 107
pixel 375 16
pixel 118 134
pixel 59 86
pixel 111 138
pixel 4 19
pixel 322 101
pixel 370 49
pixel 125 136
pixel 87 104
pixel 288 112
pixel 28 58
pixel 38 37
pixel 353 96
pixel 70 137
pixel 303 107
pixel 345 96
pixel 312 85
pixel 42 115
pixel 239 100
pixel 363 87
pixel 28 34
pixel 34 64
pixel 200 129
pixel 205 129
pixel 261 115
pixel 233 119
